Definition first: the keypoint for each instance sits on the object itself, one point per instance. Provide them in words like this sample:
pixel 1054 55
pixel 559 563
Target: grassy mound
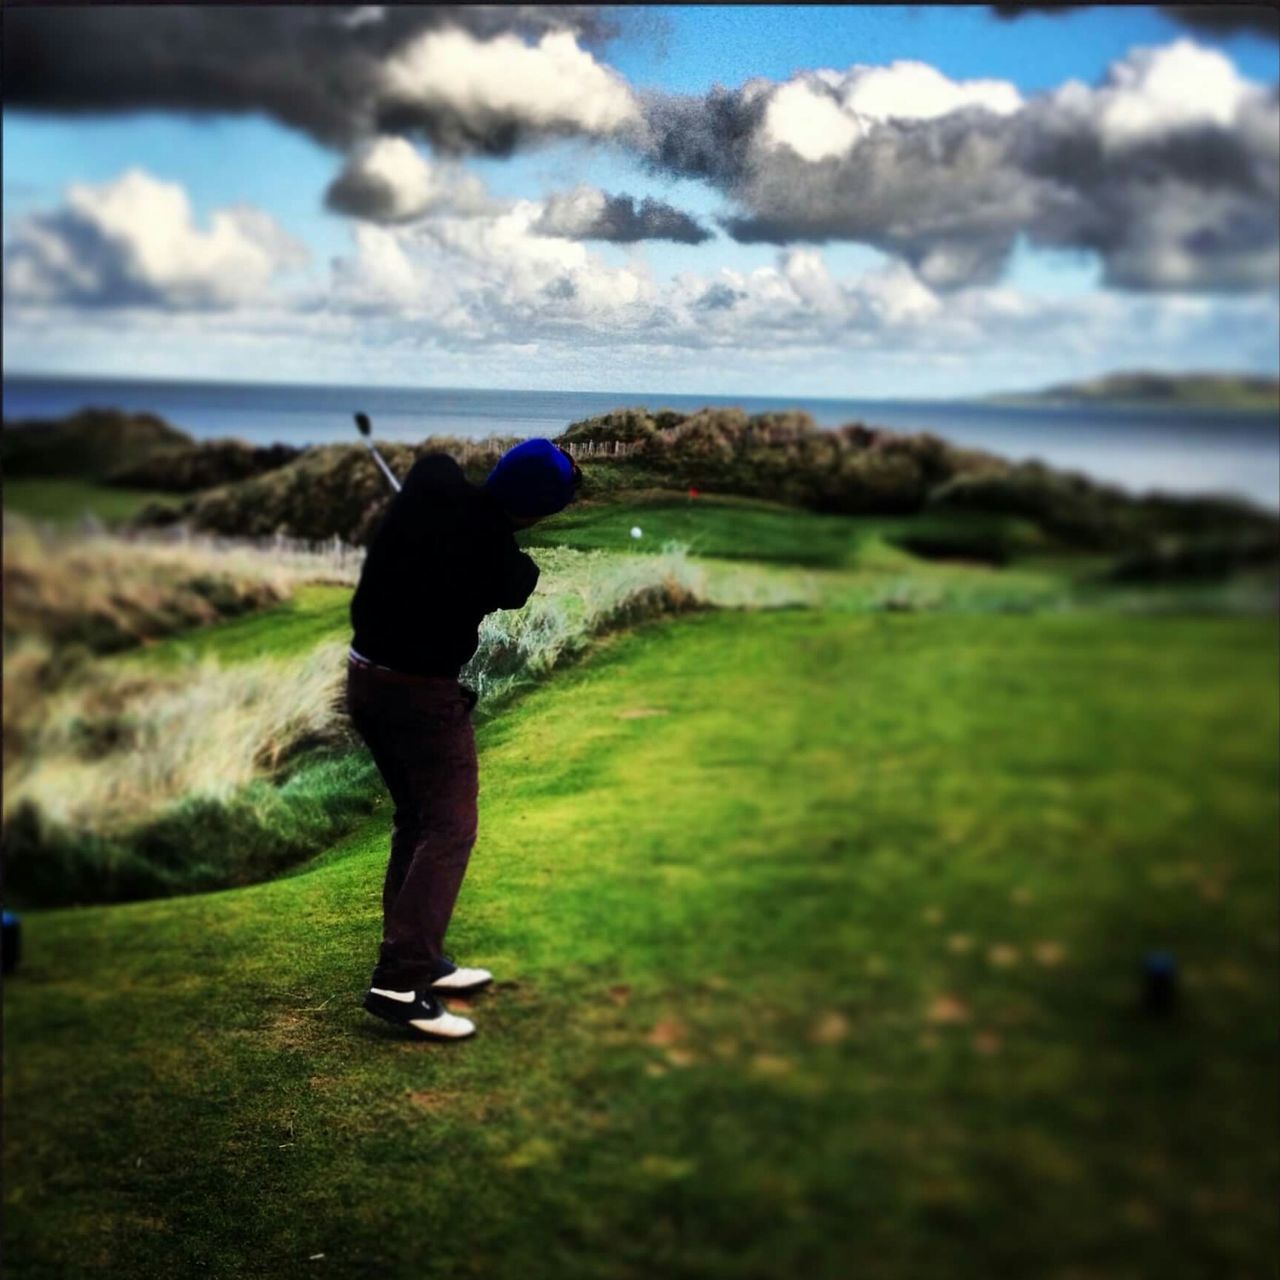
pixel 816 939
pixel 327 491
pixel 201 466
pixel 90 443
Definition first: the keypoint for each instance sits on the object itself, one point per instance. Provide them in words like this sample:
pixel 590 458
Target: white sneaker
pixel 419 1010
pixel 460 980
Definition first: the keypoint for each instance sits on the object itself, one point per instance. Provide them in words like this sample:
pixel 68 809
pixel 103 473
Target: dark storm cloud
pixel 1178 202
pixel 313 67
pixel 707 137
pixel 366 195
pixel 1211 19
pixel 587 214
pixel 940 193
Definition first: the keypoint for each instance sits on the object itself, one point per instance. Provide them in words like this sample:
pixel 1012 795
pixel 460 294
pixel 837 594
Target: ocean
pixel 1140 449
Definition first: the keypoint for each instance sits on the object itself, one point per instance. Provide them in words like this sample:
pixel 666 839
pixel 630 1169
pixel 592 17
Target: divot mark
pixel 948 1009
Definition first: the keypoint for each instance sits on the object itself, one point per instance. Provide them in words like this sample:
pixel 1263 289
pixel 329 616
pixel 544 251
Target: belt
pixel 359 660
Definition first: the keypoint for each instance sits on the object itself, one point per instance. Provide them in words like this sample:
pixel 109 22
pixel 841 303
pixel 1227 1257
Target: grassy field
pixel 314 613
pixel 67 501
pixel 817 939
pixel 817 934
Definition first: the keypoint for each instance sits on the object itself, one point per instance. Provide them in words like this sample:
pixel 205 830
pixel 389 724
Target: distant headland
pixel 1173 390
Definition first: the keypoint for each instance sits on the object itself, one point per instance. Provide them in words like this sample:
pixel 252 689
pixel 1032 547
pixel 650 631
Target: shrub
pixel 1064 504
pixel 624 425
pixel 201 466
pixel 89 443
pixel 968 536
pixel 105 594
pixel 1210 556
pixel 780 456
pixel 326 491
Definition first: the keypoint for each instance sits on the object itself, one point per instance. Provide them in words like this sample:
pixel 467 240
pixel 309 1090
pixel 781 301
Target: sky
pixel 826 201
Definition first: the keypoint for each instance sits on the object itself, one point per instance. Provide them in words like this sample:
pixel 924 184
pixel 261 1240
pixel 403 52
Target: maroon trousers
pixel 419 730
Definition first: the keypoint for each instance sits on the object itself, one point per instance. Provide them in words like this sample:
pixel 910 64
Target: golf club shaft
pixel 386 470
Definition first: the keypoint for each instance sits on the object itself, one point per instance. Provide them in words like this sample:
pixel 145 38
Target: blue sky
pixel 250 160
pixel 724 43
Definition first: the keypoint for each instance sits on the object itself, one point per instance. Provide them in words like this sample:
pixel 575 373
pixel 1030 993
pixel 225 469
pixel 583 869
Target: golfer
pixel 443 557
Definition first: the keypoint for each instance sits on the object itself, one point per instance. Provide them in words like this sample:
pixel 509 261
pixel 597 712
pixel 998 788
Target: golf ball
pixel 635 531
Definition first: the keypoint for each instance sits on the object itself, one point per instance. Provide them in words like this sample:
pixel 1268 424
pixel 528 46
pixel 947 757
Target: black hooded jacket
pixel 443 556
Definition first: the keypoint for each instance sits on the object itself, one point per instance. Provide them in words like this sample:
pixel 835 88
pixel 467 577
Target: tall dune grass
pixel 580 595
pixel 73 593
pixel 107 591
pixel 130 776
pixel 119 744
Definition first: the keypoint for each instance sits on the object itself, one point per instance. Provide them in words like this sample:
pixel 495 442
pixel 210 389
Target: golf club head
pixel 363 425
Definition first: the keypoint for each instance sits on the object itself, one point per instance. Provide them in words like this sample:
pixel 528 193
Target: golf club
pixel 365 427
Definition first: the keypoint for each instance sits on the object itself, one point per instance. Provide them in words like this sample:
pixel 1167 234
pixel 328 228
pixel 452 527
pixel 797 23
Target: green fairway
pixel 817 940
pixel 67 501
pixel 744 529
pixel 709 526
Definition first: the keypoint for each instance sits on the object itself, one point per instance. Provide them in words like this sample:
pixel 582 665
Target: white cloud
pixel 825 113
pixel 573 214
pixel 907 90
pixel 468 282
pixel 897 298
pixel 587 213
pixel 406 307
pixel 509 285
pixel 1174 187
pixel 491 276
pixel 320 67
pixel 389 180
pixel 810 122
pixel 806 272
pixel 134 242
pixel 379 276
pixel 1154 91
pixel 552 86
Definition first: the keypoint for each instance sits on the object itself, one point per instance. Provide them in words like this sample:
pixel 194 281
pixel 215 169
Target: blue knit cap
pixel 533 479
